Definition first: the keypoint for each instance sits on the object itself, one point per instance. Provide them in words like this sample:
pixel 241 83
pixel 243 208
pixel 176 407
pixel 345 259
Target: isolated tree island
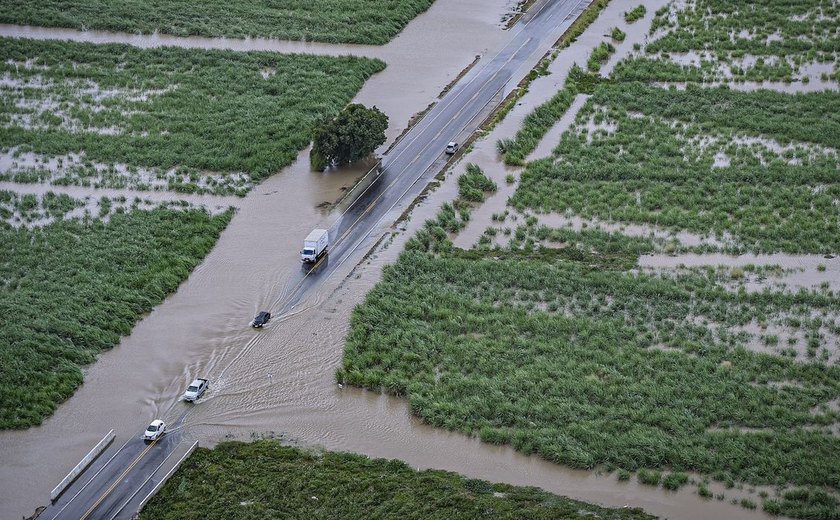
pixel 352 135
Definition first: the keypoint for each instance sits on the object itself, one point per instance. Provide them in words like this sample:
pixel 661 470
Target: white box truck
pixel 315 245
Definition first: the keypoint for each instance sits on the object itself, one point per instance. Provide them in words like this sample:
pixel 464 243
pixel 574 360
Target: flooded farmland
pixel 281 380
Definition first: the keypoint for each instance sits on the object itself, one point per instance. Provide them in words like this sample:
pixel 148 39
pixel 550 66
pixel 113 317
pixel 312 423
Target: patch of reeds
pixel 71 289
pixel 272 480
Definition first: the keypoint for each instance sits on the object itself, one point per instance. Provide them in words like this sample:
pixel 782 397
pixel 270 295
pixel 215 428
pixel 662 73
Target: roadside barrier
pixel 169 473
pixel 82 465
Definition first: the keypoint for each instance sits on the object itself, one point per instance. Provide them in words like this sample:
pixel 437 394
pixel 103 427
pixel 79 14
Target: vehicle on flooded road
pixel 315 245
pixel 196 389
pixel 451 148
pixel 154 431
pixel 260 319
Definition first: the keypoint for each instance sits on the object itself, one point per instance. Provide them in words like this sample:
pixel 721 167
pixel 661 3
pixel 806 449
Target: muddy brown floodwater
pixel 281 379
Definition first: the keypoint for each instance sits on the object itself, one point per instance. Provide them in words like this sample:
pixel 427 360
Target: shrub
pixel 473 184
pixel 649 477
pixel 635 14
pixel 352 135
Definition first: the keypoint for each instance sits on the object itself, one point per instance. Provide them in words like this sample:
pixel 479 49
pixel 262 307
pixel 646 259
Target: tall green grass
pixel 542 118
pixel 337 21
pixel 473 184
pixel 651 168
pixel 213 110
pixel 782 35
pixel 265 479
pixel 563 360
pixel 73 288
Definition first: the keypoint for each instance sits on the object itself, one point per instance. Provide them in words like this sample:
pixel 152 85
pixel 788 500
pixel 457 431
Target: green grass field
pixel 71 289
pixel 196 111
pixel 265 479
pixel 338 21
pixel 648 155
pixel 762 40
pixel 555 342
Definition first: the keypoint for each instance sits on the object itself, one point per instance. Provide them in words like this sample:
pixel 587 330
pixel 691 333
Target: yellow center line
pixel 117 481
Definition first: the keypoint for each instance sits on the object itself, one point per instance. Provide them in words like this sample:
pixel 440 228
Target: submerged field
pixel 265 479
pixel 592 367
pixel 353 21
pixel 71 287
pixel 188 120
pixel 551 338
pixel 758 171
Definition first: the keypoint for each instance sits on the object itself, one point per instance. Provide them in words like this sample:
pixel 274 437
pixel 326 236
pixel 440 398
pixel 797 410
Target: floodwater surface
pixel 281 378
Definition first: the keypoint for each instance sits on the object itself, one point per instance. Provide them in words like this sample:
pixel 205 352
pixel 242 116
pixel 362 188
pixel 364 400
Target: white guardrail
pixel 169 473
pixel 82 465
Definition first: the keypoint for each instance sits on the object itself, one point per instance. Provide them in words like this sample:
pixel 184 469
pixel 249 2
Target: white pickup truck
pixel 196 388
pixel 315 245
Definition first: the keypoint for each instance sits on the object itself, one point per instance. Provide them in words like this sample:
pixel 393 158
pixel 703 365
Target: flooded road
pixel 281 379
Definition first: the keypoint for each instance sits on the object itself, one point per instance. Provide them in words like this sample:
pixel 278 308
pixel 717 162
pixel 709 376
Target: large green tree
pixel 352 135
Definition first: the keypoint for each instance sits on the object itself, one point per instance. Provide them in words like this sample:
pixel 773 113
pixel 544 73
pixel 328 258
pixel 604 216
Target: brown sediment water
pixel 148 41
pixel 281 378
pixel 484 155
pixel 799 271
pixel 558 220
pixel 82 192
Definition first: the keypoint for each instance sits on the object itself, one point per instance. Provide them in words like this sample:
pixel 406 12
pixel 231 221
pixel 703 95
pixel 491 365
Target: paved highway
pixel 122 476
pixel 409 167
pixel 115 484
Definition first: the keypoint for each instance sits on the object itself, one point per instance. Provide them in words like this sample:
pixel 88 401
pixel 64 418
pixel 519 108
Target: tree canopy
pixel 352 135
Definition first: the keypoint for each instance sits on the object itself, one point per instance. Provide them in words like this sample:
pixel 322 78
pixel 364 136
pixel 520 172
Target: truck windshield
pixel 309 251
pixel 192 389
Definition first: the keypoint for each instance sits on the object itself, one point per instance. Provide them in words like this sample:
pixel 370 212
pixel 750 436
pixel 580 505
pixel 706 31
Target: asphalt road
pixel 117 481
pixel 415 160
pixel 113 486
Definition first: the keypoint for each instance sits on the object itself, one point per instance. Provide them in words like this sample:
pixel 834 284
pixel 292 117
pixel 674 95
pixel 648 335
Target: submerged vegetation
pixel 596 367
pixel 473 184
pixel 636 13
pixel 169 108
pixel 600 56
pixel 339 21
pixel 556 342
pixel 540 121
pixel 272 480
pixel 765 40
pixel 72 288
pixel 757 170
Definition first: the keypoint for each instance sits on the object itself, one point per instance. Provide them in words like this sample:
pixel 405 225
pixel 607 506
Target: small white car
pixel 451 148
pixel 154 431
pixel 196 389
